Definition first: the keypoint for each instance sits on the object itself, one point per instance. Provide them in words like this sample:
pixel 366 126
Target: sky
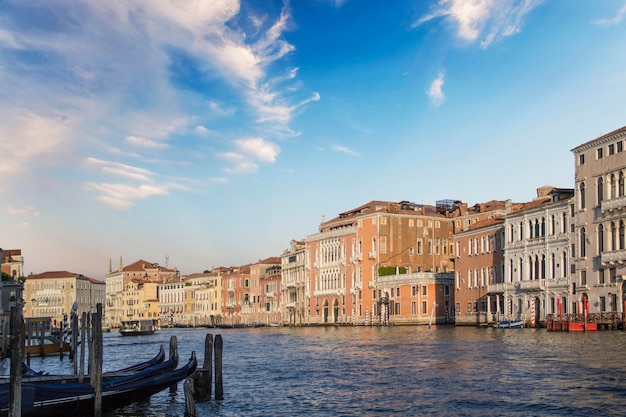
pixel 199 134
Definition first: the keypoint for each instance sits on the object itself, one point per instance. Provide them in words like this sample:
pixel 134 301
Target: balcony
pixel 372 255
pixel 534 285
pixel 613 257
pixel 614 204
pixel 356 258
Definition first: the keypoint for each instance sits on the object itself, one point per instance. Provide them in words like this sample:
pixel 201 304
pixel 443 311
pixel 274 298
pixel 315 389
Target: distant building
pixel 117 282
pixel 536 257
pixel 235 295
pixel 53 294
pixel 598 247
pixel 12 263
pixel 349 262
pixel 294 288
pixel 479 272
pixel 269 271
pixel 140 300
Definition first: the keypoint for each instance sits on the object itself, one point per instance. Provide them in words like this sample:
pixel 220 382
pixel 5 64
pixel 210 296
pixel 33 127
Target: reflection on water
pixel 383 371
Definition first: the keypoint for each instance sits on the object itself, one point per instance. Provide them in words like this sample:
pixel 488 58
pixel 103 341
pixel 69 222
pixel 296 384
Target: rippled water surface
pixel 391 371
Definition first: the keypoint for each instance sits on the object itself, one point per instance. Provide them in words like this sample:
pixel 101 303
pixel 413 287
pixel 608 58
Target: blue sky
pixel 215 132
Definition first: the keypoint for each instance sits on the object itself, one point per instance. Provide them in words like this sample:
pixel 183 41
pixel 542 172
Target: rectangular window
pixel 424 307
pixel 583 278
pixel 600 276
pixel 424 290
pixel 613 275
pixel 469 307
pixel 602 304
pixel 620 146
pixel 413 308
pixel 611 149
pixel 411 251
pixel 599 153
pixel 581 159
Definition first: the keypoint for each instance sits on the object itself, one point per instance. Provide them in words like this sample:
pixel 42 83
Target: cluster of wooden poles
pixel 196 388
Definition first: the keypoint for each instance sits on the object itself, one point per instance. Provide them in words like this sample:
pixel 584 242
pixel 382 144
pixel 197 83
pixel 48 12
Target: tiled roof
pixel 62 274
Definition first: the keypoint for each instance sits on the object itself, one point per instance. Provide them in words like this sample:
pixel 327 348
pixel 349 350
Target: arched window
pixel 613 236
pixel 543 266
pixel 543 226
pixel 581 187
pixel 537 268
pixel 531 268
pixel 621 235
pixel 601 238
pixel 564 268
pixel 564 225
pixel 621 184
pixel 511 271
pixel 600 190
pixel 583 240
pixel 537 231
pixel 553 225
pixel 530 229
pixel 613 187
pixel 511 237
pixel 521 269
pixel 553 266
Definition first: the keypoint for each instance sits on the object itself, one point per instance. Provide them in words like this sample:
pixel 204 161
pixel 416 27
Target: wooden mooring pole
pixel 173 353
pixel 219 389
pixel 203 377
pixel 96 371
pixel 83 333
pixel 17 342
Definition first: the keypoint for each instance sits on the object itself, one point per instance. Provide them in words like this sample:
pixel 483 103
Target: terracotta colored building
pixel 374 263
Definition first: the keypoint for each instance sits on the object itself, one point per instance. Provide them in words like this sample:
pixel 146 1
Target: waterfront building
pixel 140 300
pixel 479 272
pixel 53 294
pixel 598 236
pixel 236 292
pixel 172 303
pixel 206 292
pixel 536 257
pixel 294 290
pixel 12 263
pixel 347 260
pixel 269 272
pixel 116 282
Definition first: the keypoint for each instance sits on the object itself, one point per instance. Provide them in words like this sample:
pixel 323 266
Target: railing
pixel 613 204
pixel 613 256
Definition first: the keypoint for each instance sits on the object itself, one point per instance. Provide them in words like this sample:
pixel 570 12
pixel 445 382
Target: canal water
pixel 390 371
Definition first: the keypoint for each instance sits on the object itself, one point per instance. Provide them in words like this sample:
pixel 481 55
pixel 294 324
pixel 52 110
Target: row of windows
pixel 536 228
pixel 609 238
pixel 610 149
pixel 614 188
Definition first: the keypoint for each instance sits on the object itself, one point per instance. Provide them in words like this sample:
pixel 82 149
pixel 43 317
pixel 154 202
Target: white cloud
pixel 122 170
pixel 145 143
pixel 435 91
pixel 345 150
pixel 26 210
pixel 124 196
pixel 614 20
pixel 32 136
pixel 475 18
pixel 259 148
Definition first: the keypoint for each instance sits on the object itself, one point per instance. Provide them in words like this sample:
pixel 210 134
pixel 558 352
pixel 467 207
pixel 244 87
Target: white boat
pixel 509 324
pixel 138 327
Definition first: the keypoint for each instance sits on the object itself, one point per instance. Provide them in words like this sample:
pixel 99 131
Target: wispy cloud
pixel 26 210
pixel 110 87
pixel 345 150
pixel 124 196
pixel 490 19
pixel 145 143
pixel 249 151
pixel 614 21
pixel 122 170
pixel 435 91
